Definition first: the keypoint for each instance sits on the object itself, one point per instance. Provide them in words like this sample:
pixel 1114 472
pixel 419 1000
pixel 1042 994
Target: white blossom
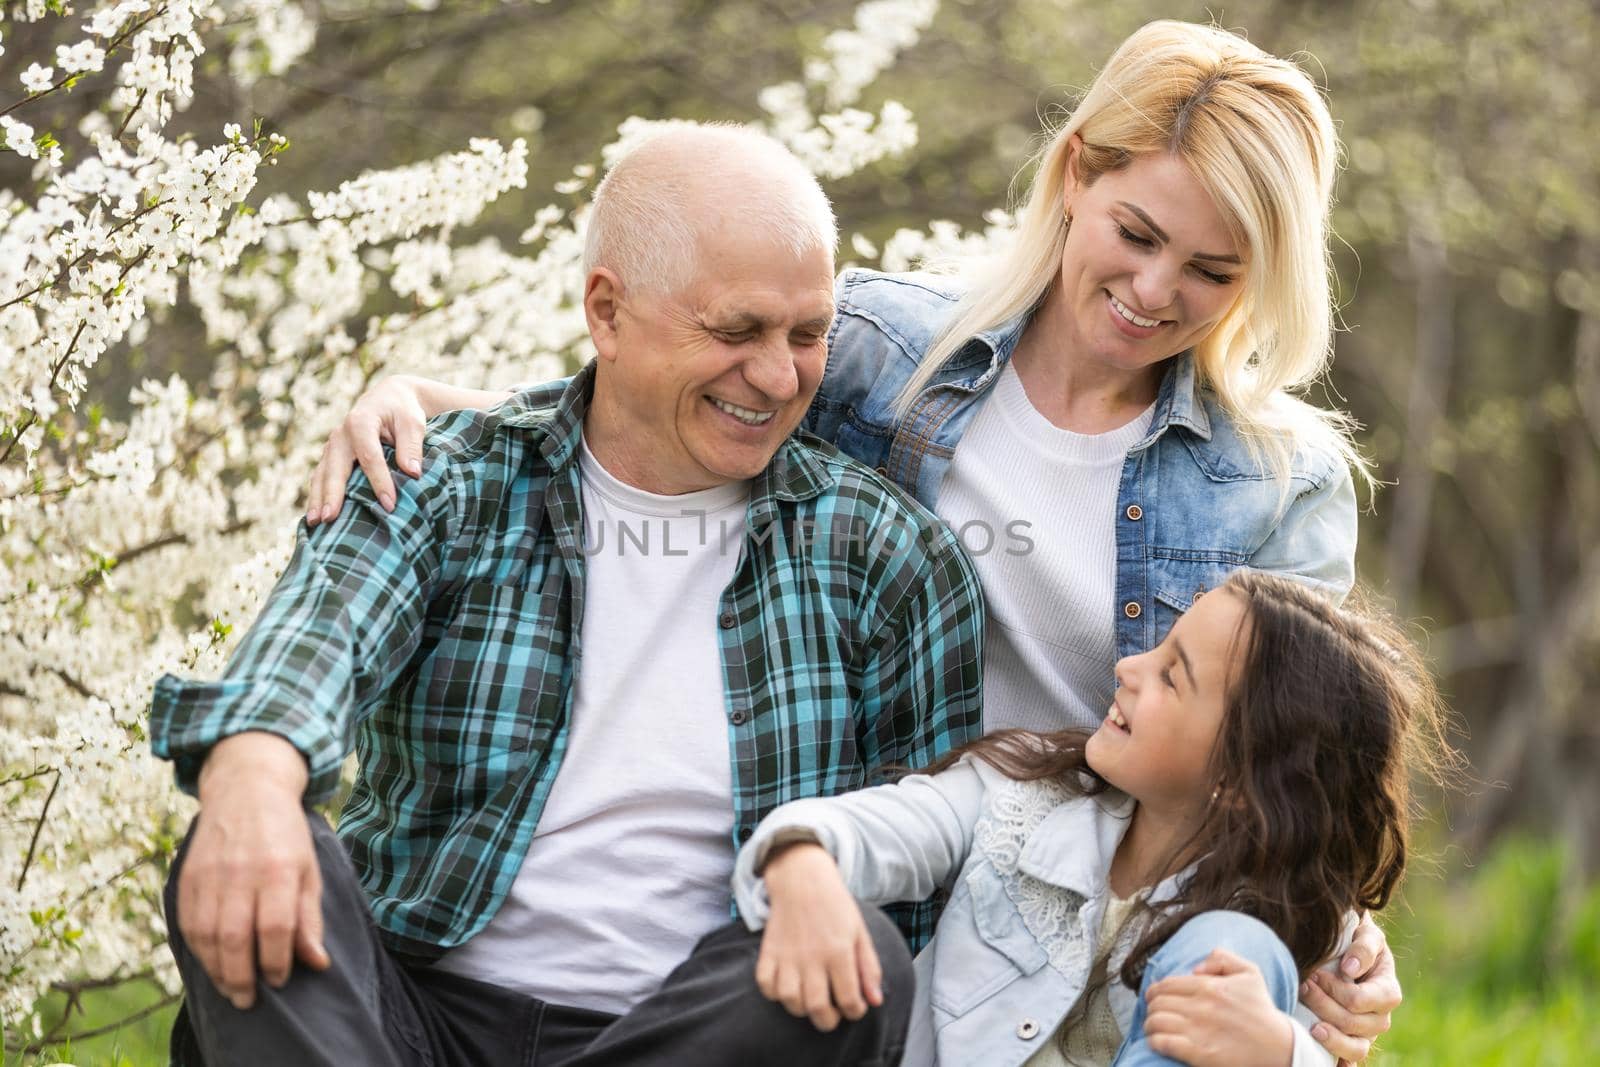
pixel 19 137
pixel 37 78
pixel 83 56
pixel 854 58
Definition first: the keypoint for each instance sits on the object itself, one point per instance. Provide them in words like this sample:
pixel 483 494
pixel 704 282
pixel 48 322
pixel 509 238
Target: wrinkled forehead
pixel 755 274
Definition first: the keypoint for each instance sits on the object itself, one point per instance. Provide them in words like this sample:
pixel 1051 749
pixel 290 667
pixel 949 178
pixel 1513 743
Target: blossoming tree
pixel 136 546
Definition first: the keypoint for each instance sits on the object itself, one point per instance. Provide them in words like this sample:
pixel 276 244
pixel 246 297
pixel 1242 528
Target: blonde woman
pixel 1105 412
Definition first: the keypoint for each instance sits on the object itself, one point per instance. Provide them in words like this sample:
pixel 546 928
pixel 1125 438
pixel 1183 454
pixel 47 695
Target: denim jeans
pixel 1187 949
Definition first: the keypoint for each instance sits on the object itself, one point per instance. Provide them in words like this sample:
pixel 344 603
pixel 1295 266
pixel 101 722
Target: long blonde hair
pixel 1257 135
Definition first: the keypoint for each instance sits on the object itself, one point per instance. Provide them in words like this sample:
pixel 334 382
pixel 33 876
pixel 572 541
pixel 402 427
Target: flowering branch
pixel 71 77
pixel 33 842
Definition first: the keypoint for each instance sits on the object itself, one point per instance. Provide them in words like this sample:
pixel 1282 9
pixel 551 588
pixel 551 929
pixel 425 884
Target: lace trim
pixel 1050 913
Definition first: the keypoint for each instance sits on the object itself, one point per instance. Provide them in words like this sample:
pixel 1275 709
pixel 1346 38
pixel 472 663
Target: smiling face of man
pixel 700 387
pixel 709 295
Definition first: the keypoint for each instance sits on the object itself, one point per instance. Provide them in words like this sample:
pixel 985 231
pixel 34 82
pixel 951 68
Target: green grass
pixel 142 1043
pixel 1500 966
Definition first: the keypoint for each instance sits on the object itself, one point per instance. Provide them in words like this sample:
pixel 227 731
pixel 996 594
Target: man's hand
pixel 817 957
pixel 1354 1006
pixel 1219 1016
pixel 250 891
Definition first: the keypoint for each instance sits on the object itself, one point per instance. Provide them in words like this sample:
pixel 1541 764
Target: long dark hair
pixel 1329 713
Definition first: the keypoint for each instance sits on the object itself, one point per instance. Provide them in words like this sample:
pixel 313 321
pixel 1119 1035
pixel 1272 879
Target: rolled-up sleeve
pixel 334 634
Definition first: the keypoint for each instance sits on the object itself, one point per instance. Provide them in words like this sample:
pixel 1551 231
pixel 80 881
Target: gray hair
pixel 645 218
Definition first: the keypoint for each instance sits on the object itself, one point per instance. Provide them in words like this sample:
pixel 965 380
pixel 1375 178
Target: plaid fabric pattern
pixel 440 643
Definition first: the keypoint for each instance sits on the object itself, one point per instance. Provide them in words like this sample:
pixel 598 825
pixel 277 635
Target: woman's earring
pixel 1068 228
pixel 1216 793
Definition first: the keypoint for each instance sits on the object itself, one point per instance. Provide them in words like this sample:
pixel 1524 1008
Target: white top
pixel 630 863
pixel 1036 508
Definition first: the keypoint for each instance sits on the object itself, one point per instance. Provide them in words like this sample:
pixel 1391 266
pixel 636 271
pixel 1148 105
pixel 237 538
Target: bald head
pixel 692 180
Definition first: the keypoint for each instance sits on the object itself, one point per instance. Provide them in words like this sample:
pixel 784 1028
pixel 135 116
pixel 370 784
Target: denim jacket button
pixel 1135 512
pixel 1132 609
pixel 882 470
pixel 1027 1029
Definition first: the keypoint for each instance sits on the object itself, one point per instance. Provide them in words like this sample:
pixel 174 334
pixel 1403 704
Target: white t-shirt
pixel 1035 506
pixel 631 861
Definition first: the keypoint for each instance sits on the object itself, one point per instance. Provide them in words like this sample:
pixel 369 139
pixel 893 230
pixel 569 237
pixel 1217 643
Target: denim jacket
pixel 1025 864
pixel 1191 505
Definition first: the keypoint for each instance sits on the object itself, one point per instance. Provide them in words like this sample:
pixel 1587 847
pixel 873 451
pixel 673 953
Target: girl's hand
pixel 1219 1016
pixel 1354 1005
pixel 817 957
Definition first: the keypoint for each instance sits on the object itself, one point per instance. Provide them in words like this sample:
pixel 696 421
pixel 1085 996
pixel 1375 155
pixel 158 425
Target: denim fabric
pixel 1026 865
pixel 1187 949
pixel 1191 505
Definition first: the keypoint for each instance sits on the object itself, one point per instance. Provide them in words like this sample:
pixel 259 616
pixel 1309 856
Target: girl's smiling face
pixel 1157 740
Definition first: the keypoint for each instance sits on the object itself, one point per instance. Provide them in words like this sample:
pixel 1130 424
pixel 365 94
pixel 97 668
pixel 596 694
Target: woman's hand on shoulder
pixel 394 411
pixel 390 412
pixel 817 958
pixel 1219 1016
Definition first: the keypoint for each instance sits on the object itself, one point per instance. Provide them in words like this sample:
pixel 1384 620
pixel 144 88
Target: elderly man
pixel 611 625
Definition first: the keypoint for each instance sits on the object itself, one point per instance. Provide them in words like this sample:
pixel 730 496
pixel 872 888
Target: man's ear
pixel 602 300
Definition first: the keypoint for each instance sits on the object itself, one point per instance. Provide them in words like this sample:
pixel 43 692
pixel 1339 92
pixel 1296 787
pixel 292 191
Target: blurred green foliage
pixel 1500 965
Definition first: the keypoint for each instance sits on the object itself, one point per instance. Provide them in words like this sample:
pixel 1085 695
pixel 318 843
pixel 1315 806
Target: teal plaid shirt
pixel 440 642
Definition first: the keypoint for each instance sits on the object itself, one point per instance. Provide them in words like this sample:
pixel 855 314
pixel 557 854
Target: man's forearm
pixel 266 757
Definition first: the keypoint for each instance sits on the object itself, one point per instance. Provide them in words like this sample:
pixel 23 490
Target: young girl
pixel 1246 795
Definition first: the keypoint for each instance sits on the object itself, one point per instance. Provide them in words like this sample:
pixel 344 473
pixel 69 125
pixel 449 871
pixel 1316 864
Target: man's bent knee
pixel 894 957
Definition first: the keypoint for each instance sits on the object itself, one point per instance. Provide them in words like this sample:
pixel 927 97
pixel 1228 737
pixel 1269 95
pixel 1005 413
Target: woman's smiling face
pixel 1149 267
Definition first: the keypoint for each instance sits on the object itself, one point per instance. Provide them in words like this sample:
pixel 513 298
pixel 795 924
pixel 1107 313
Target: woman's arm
pixel 392 412
pixel 1315 539
pixel 1352 1004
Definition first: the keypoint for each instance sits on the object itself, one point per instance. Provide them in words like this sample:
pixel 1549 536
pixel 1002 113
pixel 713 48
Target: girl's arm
pixel 890 843
pixel 813 864
pixel 816 957
pixel 393 412
pixel 1221 1015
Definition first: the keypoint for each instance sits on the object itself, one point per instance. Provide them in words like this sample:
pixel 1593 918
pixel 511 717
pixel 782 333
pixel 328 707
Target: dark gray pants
pixel 370 1009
